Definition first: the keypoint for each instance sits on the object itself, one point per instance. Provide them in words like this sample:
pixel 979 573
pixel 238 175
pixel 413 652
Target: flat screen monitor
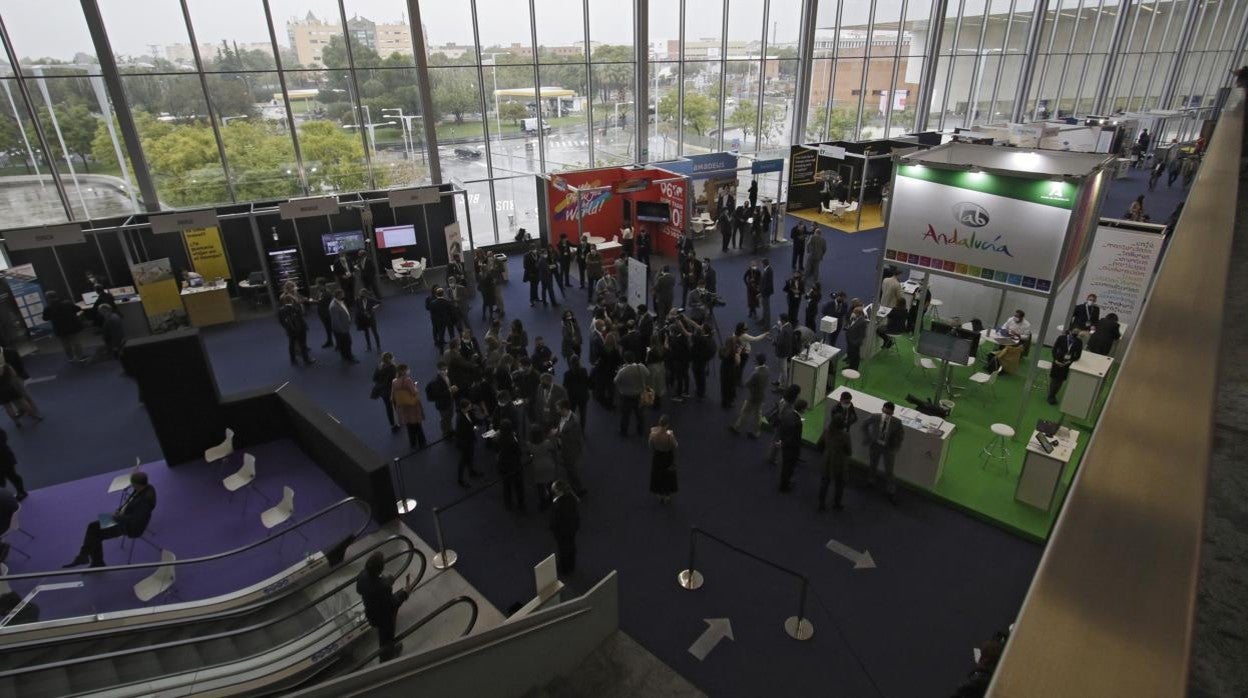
pixel 945 347
pixel 348 241
pixel 653 211
pixel 396 236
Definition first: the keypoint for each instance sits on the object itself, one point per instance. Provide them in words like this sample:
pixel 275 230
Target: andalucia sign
pixel 1003 230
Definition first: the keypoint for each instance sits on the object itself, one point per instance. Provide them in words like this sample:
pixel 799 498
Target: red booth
pixel 613 196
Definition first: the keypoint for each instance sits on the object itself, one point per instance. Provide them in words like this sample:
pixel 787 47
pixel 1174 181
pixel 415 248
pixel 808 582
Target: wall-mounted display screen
pixel 653 211
pixel 348 241
pixel 396 236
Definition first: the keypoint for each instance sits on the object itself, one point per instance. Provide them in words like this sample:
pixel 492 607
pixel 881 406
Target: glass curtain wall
pixel 242 100
pixel 868 60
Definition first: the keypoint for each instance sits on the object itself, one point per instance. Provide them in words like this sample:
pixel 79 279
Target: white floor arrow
pixel 716 630
pixel 861 560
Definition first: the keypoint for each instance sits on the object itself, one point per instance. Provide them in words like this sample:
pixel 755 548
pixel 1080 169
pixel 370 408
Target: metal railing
pixel 798 627
pixel 1111 610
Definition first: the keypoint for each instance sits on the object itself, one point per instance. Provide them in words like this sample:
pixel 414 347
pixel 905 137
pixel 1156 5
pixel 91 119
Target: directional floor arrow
pixel 861 560
pixel 716 630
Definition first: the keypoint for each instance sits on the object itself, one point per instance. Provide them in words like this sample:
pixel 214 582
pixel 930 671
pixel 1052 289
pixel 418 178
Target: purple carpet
pixel 194 517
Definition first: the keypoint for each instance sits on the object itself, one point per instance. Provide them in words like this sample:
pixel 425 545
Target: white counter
pixel 924 448
pixel 1087 376
pixel 811 373
pixel 1042 472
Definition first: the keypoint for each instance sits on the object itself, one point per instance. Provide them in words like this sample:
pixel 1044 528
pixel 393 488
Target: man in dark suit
pixel 855 335
pixel 381 603
pixel 664 291
pixel 130 520
pixel 1066 350
pixel 466 442
pixel 366 272
pixel 766 289
pixel 582 251
pixel 1106 332
pixel 884 432
pixel 532 262
pixel 836 450
pixel 565 521
pixel 1087 313
pixel 564 250
pixel 837 307
pixel 723 223
pixel 571 445
pixel 789 441
pixel 798 237
pixel 442 392
pixel 546 400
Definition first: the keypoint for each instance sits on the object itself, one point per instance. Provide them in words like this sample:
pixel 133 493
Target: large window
pixel 221 101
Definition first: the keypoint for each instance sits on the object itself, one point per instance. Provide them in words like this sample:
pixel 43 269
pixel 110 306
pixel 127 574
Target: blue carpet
pixel 194 517
pixel 944 581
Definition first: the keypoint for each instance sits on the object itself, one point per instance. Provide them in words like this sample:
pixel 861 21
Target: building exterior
pixel 309 36
pixel 844 75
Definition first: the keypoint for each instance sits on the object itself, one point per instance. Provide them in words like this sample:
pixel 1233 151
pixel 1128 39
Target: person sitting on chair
pixel 130 520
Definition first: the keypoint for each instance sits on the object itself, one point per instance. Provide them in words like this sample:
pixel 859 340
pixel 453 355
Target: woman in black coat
pixel 1107 332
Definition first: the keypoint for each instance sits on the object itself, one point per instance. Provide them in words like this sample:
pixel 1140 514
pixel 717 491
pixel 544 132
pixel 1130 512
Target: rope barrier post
pixel 405 504
pixel 690 578
pixel 443 559
pixel 799 627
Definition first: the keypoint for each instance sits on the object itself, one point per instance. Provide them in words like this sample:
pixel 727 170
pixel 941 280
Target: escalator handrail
pixel 472 623
pixel 368 517
pixel 410 551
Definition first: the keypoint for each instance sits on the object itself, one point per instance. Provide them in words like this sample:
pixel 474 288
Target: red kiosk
pixel 611 197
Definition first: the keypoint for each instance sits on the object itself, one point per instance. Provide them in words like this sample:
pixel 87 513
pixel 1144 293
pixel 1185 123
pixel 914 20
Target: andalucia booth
pixel 987 231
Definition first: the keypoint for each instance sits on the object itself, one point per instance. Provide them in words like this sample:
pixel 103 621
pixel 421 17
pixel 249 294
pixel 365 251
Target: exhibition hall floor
pixel 872 217
pixel 944 580
pixel 964 482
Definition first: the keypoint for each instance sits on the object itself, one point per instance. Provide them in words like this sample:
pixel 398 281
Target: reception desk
pixel 924 448
pixel 1087 376
pixel 810 372
pixel 208 305
pixel 1037 483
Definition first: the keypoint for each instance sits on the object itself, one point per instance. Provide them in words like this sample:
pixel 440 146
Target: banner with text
pixel 207 252
pixel 21 304
pixel 1120 271
pixel 162 302
pixel 1003 230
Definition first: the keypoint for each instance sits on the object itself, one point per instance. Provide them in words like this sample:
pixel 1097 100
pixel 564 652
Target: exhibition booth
pixel 598 204
pixel 845 184
pixel 240 252
pixel 987 231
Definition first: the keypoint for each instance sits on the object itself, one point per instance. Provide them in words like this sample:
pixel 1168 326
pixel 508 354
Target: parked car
pixel 466 153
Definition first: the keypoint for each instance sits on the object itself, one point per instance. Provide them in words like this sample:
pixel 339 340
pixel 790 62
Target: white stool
pixel 996 449
pixel 934 307
pixel 848 376
pixel 1044 366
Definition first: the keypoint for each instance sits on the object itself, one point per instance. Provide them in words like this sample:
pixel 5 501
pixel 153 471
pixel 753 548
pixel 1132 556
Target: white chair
pixel 121 482
pixel 221 451
pixel 996 449
pixel 826 208
pixel 157 582
pixel 15 526
pixel 928 365
pixel 245 477
pixel 987 380
pixel 280 512
pixel 934 308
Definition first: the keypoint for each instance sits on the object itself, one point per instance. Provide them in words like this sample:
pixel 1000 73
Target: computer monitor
pixel 348 241
pixel 654 211
pixel 396 236
pixel 945 347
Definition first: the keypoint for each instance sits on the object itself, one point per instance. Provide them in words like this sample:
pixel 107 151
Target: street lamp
pixel 371 128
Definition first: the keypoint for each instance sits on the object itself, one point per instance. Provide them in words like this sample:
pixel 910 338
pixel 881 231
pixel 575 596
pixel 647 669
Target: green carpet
pixel 985 493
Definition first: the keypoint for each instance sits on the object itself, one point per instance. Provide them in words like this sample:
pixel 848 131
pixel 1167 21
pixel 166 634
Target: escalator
pixel 79 607
pixel 276 646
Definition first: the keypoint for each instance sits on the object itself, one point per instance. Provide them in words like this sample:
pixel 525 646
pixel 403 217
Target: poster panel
pixel 207 252
pixel 454 241
pixel 22 303
pixel 672 193
pixel 1120 271
pixel 1003 230
pixel 636 282
pixel 159 292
